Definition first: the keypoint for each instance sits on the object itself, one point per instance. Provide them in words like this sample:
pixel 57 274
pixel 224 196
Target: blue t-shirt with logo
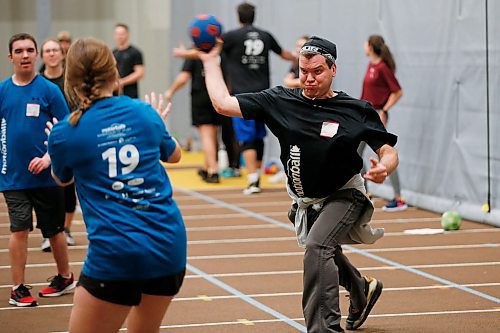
pixel 134 226
pixel 24 111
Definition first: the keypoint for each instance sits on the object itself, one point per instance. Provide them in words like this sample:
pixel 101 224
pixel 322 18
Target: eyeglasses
pixel 52 50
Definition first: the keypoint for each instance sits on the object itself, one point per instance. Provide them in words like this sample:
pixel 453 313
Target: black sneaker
pixel 212 179
pixel 253 188
pixel 203 174
pixel 58 286
pixel 22 297
pixel 356 317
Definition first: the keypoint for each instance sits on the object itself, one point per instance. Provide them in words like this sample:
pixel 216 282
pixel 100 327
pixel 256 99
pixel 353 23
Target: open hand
pixel 158 104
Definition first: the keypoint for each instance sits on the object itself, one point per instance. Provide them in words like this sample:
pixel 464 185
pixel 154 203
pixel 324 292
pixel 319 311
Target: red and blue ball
pixel 204 30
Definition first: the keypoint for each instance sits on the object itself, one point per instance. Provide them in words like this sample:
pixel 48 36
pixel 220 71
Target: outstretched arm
pixel 179 82
pixel 287 55
pixel 222 101
pixel 182 52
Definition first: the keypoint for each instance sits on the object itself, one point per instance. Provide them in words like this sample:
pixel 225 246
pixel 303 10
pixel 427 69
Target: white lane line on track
pixel 288 254
pixel 268 321
pixel 252 227
pixel 279 214
pixel 258 226
pixel 300 271
pixel 243 204
pixel 267 295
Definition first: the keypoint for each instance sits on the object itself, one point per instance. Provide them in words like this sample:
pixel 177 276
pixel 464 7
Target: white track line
pixel 267 321
pixel 241 204
pixel 300 271
pixel 250 240
pixel 208 298
pixel 280 214
pixel 290 254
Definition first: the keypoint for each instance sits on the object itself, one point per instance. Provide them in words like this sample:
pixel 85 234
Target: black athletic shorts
pixel 130 292
pixel 70 198
pixel 48 204
pixel 204 115
pixel 257 144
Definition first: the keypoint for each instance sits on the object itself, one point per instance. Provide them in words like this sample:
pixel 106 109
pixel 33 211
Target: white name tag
pixel 328 130
pixel 32 110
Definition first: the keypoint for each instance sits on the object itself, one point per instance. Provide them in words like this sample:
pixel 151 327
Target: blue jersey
pixel 24 110
pixel 134 226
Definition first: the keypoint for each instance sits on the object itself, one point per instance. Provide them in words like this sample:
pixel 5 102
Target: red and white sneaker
pixel 58 286
pixel 22 296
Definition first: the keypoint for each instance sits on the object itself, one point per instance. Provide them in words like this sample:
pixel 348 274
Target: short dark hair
pixel 308 55
pixel 122 25
pixel 246 13
pixel 21 36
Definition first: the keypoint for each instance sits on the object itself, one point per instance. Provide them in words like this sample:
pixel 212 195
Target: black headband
pixel 320 46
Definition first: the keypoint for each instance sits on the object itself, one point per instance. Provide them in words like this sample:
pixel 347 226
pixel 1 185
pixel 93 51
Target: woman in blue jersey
pixel 112 147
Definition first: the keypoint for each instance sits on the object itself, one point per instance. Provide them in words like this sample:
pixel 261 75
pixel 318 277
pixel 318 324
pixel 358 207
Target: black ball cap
pixel 321 46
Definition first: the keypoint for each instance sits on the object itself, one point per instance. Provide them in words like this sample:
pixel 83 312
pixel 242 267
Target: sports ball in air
pixel 451 220
pixel 204 29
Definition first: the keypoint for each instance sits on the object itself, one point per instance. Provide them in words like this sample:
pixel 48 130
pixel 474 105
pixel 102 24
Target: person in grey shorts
pixel 27 102
pixel 319 131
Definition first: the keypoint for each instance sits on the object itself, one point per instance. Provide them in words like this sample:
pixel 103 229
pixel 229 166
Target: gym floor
pixel 245 268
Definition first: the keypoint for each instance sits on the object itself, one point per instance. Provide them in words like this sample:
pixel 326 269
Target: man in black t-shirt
pixel 206 120
pixel 319 131
pixel 128 61
pixel 246 63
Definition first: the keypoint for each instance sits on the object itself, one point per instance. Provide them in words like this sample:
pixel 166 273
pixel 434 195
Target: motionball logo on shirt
pixel 293 166
pixel 3 140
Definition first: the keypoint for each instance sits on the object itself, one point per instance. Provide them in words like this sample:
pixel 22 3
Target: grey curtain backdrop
pixel 440 50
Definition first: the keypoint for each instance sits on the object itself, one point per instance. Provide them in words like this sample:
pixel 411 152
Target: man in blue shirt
pixel 27 102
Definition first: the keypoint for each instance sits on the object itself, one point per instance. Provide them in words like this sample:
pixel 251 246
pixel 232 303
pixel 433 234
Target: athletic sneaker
pixel 252 188
pixel 45 245
pixel 356 317
pixel 230 173
pixel 202 173
pixel 69 239
pixel 58 286
pixel 212 179
pixel 22 296
pixel 395 205
pixel 278 177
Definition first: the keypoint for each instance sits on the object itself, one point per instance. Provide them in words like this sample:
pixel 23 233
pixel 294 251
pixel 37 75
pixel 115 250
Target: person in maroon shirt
pixel 382 90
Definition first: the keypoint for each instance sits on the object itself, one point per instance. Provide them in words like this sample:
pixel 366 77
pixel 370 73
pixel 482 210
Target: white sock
pixel 253 177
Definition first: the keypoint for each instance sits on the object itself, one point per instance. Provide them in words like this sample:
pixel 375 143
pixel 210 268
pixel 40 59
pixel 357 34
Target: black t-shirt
pixel 199 93
pixel 59 81
pixel 125 62
pixel 246 58
pixel 318 138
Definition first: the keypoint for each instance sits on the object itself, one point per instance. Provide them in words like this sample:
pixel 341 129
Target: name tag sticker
pixel 32 110
pixel 329 129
